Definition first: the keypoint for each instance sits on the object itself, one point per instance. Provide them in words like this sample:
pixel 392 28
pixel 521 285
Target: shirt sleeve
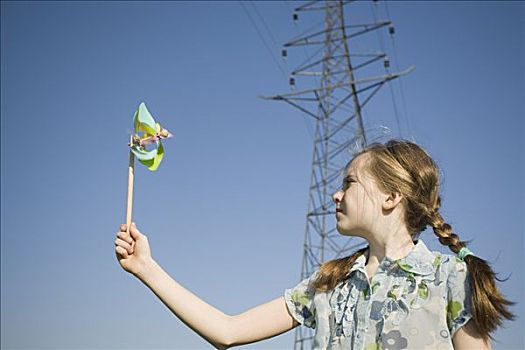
pixel 300 301
pixel 459 296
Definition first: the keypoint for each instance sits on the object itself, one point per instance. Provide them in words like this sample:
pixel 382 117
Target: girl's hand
pixel 132 250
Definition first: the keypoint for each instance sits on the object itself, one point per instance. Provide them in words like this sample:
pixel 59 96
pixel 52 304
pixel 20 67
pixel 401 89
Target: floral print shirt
pixel 417 302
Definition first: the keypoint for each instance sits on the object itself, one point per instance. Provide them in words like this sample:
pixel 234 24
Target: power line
pixel 263 40
pixel 403 100
pixel 306 122
pixel 264 24
pixel 396 113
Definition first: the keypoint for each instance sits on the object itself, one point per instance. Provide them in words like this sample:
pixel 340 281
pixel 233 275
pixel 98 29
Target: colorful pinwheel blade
pixel 143 154
pixel 158 158
pixel 143 121
pixel 153 163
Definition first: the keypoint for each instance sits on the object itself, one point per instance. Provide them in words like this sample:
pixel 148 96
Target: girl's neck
pixel 396 246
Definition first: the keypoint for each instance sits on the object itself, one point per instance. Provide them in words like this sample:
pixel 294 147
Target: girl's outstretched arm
pixel 210 323
pixel 219 329
pixel 261 322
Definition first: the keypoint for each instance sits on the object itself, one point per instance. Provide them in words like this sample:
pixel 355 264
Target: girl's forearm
pixel 210 323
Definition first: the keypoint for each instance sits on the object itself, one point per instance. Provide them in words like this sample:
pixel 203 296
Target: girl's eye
pixel 346 184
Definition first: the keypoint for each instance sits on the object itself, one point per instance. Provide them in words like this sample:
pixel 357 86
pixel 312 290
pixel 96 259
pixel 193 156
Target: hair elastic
pixel 463 252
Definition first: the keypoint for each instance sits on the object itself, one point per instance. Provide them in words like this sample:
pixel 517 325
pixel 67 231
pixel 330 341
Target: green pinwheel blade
pixel 143 121
pixel 148 162
pixel 154 162
pixel 143 154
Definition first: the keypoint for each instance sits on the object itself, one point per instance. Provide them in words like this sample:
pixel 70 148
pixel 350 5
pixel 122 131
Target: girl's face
pixel 357 202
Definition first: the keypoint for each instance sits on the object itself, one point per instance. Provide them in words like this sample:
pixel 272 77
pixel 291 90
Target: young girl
pixel 392 294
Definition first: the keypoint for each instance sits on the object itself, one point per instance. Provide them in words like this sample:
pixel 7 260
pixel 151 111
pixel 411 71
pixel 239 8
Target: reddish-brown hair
pixel 401 166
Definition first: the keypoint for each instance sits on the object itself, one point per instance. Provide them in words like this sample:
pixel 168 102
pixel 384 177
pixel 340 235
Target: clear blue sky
pixel 225 212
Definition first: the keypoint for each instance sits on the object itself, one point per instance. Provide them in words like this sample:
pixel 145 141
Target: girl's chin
pixel 341 229
pixel 346 232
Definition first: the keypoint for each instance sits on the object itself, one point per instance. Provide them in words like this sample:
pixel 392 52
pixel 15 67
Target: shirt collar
pixel 419 260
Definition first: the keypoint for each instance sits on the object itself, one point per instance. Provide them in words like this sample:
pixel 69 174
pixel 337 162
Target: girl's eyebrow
pixel 348 177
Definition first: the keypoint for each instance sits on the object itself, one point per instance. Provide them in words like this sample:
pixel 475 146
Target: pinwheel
pixel 151 133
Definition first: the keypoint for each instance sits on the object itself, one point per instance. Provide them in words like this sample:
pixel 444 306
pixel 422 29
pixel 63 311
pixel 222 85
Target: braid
pixel 444 232
pixel 489 306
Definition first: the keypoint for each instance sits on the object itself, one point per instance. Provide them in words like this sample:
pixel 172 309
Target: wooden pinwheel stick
pixel 130 187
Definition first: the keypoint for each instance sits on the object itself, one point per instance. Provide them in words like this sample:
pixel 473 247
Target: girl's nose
pixel 337 196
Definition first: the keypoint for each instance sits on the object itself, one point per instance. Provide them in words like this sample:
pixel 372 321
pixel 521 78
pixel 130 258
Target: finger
pixel 135 233
pixel 125 237
pixel 125 245
pixel 122 252
pixel 123 227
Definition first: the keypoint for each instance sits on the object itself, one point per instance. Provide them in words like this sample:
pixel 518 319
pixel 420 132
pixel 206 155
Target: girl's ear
pixel 392 200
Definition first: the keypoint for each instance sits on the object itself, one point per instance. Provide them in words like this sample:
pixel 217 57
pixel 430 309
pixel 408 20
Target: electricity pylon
pixel 343 88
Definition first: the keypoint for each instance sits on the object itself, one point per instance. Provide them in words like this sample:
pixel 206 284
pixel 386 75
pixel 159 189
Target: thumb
pixel 135 233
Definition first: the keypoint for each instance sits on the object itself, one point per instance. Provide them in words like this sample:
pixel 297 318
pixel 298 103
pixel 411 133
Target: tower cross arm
pixel 385 77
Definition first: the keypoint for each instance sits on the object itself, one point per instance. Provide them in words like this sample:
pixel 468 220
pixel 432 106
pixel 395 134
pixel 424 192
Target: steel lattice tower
pixel 336 104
